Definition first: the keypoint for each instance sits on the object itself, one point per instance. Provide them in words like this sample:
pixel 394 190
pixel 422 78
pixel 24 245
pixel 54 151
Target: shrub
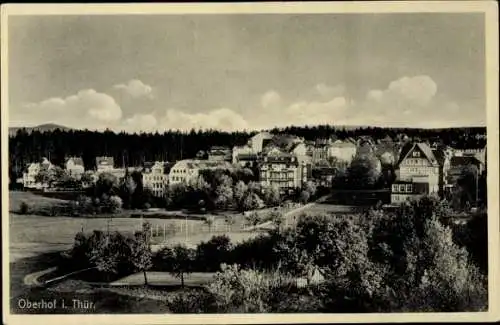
pixel 191 301
pixel 24 208
pixel 211 254
pixel 115 203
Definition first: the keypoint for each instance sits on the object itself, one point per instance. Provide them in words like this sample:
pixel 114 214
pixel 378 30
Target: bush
pixel 115 204
pixel 191 301
pixel 24 208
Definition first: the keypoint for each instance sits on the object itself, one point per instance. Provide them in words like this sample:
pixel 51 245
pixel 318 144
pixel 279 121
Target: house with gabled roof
pixel 419 164
pixel 104 164
pixel 75 167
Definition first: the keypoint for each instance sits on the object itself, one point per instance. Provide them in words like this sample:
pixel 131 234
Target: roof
pixel 247 156
pixel 343 144
pixel 464 161
pixel 104 160
pixel 76 160
pixel 219 148
pixel 423 147
pixel 201 164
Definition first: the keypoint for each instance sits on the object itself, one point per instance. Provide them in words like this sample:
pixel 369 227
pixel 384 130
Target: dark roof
pixel 247 156
pixel 423 147
pixel 464 161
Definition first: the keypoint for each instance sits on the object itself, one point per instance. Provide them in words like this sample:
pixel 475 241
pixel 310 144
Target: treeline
pixel 134 149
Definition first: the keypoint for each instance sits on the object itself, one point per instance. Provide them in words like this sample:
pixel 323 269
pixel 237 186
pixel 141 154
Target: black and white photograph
pixel 259 160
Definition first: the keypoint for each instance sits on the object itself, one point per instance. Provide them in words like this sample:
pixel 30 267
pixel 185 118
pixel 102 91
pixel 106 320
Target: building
pixel 259 141
pixel 104 164
pixel 155 177
pixel 217 153
pixel 74 166
pixel 246 160
pixel 185 170
pixel 419 164
pixel 457 165
pixel 31 172
pixel 343 151
pixel 241 151
pixel 323 175
pixel 319 153
pixel 406 190
pixel 284 170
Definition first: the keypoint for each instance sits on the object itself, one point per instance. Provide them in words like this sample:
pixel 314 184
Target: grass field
pixel 17 197
pixel 30 235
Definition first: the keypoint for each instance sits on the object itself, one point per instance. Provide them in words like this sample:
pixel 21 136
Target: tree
pixel 209 221
pixel 251 201
pixel 310 187
pixel 87 177
pixel 115 203
pixel 272 196
pixel 224 195
pixel 24 208
pixel 277 218
pixel 128 188
pixel 253 219
pixel 364 171
pixel 180 259
pixel 468 181
pixel 213 252
pixel 239 193
pixel 106 184
pixel 304 196
pixel 141 256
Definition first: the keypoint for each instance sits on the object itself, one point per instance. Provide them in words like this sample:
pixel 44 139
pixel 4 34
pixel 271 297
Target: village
pixel 289 162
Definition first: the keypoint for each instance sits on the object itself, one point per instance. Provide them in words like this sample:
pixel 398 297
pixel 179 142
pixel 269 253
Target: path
pixel 290 216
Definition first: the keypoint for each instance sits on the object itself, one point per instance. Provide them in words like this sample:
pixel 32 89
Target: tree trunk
pixel 182 279
pixel 145 278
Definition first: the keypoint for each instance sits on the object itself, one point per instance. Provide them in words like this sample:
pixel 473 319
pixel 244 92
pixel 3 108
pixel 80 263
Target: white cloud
pixel 327 91
pixel 270 99
pixel 86 109
pixel 222 119
pixel 419 90
pixel 275 112
pixel 136 88
pixel 140 122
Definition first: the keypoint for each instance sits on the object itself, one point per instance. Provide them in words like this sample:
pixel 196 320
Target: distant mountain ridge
pixel 40 128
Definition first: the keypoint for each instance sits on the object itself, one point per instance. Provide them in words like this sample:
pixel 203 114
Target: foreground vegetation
pixel 407 260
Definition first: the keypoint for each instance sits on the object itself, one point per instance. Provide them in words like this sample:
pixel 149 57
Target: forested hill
pixel 134 149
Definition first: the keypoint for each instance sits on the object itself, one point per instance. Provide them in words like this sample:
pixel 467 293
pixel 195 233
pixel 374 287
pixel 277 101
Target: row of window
pixel 402 188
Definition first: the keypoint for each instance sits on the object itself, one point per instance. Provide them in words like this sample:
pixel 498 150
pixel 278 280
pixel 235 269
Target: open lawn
pixel 164 279
pixel 32 199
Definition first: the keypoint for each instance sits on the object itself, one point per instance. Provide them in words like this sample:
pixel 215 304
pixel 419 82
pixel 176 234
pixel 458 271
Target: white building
pixel 185 170
pixel 104 164
pixel 418 163
pixel 259 141
pixel 342 150
pixel 74 166
pixel 32 170
pixel 155 177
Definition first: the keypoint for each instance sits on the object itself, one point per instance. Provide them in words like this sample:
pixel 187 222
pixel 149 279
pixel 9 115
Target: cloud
pixel 221 119
pixel 136 89
pixel 270 99
pixel 275 112
pixel 88 108
pixel 419 90
pixel 140 122
pixel 327 91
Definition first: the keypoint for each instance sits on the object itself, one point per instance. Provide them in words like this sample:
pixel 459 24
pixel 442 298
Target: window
pixel 416 154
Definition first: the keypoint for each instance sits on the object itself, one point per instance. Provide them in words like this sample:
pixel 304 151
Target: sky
pixel 246 72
